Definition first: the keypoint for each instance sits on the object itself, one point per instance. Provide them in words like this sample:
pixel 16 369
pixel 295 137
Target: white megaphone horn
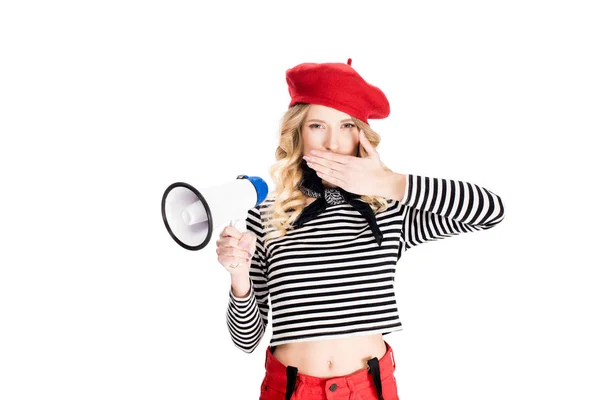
pixel 191 217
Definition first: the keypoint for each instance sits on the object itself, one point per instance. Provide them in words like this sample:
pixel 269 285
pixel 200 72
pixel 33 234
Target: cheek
pixel 309 140
pixel 313 139
pixel 352 145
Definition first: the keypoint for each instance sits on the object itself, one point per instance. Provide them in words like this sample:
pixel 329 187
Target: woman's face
pixel 328 129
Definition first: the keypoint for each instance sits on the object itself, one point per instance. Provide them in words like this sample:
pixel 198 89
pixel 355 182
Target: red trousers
pixel 360 385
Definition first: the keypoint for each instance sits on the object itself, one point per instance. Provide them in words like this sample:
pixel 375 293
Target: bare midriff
pixel 331 357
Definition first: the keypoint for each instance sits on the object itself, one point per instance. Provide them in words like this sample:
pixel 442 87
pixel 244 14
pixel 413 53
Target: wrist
pixel 239 277
pixel 240 284
pixel 393 185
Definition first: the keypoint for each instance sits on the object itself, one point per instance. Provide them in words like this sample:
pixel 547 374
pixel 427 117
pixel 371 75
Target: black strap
pixel 291 373
pixel 373 363
pixel 374 370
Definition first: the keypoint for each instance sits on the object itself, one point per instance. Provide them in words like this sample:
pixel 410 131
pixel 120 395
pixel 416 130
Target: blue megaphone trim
pixel 262 189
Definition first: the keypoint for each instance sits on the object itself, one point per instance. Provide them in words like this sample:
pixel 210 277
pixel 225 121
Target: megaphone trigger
pixel 236 224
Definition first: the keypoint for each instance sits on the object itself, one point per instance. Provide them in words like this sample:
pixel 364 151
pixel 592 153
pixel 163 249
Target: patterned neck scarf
pixel 312 186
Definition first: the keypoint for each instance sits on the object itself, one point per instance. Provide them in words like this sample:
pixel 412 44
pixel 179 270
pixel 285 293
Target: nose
pixel 332 142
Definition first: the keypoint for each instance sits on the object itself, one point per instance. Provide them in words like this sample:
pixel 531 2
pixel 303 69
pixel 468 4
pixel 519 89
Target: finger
pixel 331 179
pixel 328 173
pixel 328 158
pixel 333 165
pixel 248 241
pixel 238 260
pixel 224 233
pixel 366 144
pixel 326 166
pixel 236 255
pixel 234 252
pixel 231 231
pixel 228 241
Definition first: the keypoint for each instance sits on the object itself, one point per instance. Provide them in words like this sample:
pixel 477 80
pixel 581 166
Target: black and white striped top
pixel 330 279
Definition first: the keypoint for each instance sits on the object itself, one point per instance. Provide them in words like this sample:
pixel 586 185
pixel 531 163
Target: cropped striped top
pixel 330 279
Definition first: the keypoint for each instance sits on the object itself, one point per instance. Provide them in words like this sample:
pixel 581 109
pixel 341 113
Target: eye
pixel 348 125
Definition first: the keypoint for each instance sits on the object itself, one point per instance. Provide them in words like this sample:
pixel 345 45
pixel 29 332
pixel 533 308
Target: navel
pixel 329 364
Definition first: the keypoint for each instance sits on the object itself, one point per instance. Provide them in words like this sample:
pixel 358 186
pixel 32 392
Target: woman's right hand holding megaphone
pixel 235 247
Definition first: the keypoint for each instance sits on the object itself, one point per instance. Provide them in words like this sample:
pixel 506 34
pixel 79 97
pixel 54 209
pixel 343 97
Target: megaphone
pixel 191 216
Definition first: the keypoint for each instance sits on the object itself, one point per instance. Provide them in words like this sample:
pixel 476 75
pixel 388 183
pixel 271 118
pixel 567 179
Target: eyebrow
pixel 320 120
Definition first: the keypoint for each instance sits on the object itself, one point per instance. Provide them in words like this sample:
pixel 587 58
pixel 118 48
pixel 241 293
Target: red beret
pixel 339 86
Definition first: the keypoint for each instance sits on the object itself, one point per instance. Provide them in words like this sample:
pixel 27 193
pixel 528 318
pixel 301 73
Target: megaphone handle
pixel 234 223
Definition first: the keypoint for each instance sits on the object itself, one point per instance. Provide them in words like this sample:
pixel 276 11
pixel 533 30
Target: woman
pixel 321 250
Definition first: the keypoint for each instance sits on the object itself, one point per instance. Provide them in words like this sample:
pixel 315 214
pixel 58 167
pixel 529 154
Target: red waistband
pixel 276 376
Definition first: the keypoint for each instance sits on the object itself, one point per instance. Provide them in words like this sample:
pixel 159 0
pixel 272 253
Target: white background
pixel 105 104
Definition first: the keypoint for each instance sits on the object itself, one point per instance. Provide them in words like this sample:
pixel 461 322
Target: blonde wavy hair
pixel 286 173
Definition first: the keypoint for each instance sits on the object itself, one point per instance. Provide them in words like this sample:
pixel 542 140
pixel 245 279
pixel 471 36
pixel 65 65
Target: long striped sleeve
pixel 440 208
pixel 247 317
